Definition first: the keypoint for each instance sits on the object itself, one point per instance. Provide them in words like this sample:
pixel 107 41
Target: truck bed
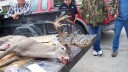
pixel 8 26
pixel 54 65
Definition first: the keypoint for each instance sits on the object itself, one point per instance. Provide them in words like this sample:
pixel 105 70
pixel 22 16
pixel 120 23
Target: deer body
pixel 27 47
pixel 31 48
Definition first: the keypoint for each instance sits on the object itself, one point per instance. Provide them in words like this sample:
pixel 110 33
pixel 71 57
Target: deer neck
pixel 51 52
pixel 50 55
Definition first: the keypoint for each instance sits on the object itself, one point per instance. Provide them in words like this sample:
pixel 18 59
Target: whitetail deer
pixel 38 47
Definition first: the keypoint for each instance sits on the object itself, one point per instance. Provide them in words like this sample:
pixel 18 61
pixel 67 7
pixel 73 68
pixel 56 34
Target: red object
pixel 50 7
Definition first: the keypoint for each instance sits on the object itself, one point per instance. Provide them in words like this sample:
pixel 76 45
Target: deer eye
pixel 62 48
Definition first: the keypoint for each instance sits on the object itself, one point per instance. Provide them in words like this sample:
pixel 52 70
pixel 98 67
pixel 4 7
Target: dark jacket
pixel 72 9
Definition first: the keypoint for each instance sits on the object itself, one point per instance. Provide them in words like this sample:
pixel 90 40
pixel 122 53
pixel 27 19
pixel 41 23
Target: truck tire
pixel 80 28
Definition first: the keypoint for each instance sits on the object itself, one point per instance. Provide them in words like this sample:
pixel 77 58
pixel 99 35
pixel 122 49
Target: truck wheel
pixel 80 29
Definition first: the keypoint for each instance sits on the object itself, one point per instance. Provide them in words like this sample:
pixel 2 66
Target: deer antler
pixel 82 43
pixel 57 25
pixel 62 35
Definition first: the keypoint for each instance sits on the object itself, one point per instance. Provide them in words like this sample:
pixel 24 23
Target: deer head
pixel 64 48
pixel 61 50
pixel 61 45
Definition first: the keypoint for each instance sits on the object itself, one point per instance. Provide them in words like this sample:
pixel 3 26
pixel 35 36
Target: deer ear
pixel 65 44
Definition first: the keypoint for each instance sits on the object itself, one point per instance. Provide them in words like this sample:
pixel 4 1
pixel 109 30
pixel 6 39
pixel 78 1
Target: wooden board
pixel 6 58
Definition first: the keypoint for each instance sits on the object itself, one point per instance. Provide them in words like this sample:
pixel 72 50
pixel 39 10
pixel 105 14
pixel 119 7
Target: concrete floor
pixel 106 63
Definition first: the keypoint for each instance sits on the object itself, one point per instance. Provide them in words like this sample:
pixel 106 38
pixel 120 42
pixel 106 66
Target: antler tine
pixel 58 20
pixel 68 45
pixel 71 40
pixel 82 44
pixel 69 21
pixel 62 18
pixel 51 22
pixel 57 23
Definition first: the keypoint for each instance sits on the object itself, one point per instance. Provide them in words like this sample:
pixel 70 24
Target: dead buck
pixel 38 47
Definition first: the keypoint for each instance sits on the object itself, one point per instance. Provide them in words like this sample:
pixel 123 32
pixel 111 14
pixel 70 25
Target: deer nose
pixel 67 60
pixel 64 60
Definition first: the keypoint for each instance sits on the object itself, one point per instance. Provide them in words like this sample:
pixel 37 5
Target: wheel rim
pixel 78 31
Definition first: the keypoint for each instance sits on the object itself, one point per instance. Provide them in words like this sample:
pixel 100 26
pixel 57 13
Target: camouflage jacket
pixel 93 11
pixel 114 6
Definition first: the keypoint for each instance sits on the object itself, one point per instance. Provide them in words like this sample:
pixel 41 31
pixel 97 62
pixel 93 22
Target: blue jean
pixel 96 30
pixel 119 23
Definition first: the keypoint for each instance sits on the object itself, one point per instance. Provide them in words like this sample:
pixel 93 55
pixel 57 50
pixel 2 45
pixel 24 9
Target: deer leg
pixel 15 58
pixel 7 51
pixel 4 46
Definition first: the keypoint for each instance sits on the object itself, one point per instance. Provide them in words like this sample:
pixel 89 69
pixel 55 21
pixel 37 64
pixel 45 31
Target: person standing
pixel 71 8
pixel 21 8
pixel 94 12
pixel 121 21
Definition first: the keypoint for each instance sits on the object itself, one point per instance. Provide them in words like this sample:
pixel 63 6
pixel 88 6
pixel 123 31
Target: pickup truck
pixel 36 24
pixel 81 26
pixel 47 6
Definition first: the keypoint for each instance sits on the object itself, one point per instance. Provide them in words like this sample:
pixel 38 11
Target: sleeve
pixel 84 9
pixel 60 7
pixel 104 11
pixel 28 9
pixel 114 6
pixel 10 11
pixel 76 11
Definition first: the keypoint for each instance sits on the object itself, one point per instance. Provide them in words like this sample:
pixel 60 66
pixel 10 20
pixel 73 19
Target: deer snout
pixel 64 60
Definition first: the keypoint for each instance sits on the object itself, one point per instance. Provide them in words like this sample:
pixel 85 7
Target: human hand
pixel 14 16
pixel 18 14
pixel 116 15
pixel 74 21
